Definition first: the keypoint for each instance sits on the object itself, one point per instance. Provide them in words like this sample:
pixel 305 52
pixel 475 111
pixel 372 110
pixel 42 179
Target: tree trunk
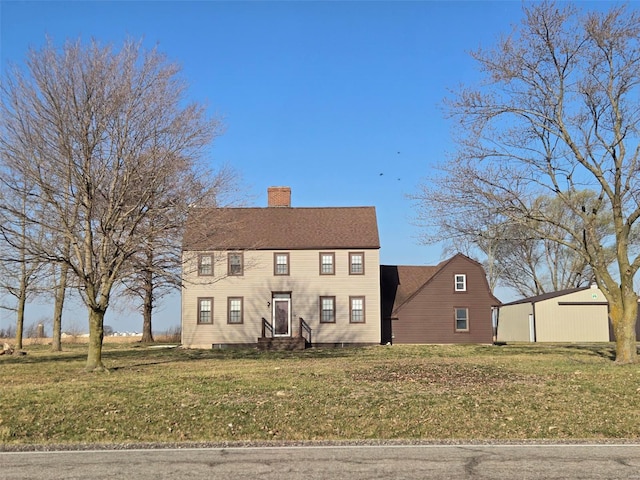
pixel 147 309
pixel 22 301
pixel 96 335
pixel 623 318
pixel 56 343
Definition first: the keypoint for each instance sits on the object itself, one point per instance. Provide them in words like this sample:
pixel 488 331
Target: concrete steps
pixel 282 343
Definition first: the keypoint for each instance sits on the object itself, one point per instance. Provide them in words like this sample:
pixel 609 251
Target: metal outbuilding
pixel 575 315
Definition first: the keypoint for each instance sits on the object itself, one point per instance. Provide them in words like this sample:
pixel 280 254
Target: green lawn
pixel 397 392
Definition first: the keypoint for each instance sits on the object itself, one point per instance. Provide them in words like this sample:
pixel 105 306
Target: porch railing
pixel 266 326
pixel 305 330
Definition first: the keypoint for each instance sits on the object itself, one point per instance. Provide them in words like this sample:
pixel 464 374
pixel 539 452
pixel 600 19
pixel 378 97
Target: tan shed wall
pixel 306 286
pixel 555 322
pixel 573 323
pixel 513 323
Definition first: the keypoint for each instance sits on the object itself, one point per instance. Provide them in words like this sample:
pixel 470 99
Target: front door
pixel 281 315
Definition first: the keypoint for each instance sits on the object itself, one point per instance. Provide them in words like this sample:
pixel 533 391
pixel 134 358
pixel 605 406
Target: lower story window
pixel 462 319
pixel 327 309
pixel 356 309
pixel 235 310
pixel 205 310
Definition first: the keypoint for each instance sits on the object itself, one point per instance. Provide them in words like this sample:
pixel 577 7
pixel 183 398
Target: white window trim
pixel 464 282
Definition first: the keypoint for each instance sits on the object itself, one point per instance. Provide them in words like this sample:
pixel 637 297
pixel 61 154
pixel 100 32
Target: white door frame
pixel 532 328
pixel 280 299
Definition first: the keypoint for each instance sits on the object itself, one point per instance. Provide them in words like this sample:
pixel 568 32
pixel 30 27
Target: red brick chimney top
pixel 279 196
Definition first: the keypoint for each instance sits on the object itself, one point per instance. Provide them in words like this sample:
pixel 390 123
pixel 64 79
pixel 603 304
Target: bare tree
pixel 515 255
pixel 100 133
pixel 538 262
pixel 20 271
pixel 156 269
pixel 557 114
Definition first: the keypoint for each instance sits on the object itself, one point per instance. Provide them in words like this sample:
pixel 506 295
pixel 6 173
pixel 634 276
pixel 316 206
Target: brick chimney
pixel 279 196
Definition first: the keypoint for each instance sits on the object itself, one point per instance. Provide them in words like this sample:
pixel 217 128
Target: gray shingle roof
pixel 281 228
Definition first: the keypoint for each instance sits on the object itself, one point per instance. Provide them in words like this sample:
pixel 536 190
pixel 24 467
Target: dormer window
pixel 460 282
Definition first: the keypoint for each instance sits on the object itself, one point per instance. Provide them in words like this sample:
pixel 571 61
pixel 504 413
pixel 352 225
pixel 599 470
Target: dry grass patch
pixel 445 376
pixel 399 392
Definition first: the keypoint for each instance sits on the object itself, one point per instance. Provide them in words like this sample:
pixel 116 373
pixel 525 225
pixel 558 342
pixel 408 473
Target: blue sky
pixel 341 101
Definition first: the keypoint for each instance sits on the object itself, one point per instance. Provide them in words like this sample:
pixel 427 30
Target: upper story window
pixel 235 264
pixel 462 319
pixel 460 282
pixel 327 263
pixel 356 263
pixel 356 309
pixel 281 264
pixel 205 310
pixel 205 264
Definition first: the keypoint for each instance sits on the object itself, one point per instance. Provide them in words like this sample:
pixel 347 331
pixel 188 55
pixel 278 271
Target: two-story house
pixel 251 273
pixel 447 303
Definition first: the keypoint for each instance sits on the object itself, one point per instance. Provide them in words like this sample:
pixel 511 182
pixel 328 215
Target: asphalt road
pixel 338 462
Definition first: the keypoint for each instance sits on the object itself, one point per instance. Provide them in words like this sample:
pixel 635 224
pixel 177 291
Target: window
pixel 235 264
pixel 327 309
pixel 462 319
pixel 356 309
pixel 234 310
pixel 281 264
pixel 205 265
pixel 327 261
pixel 356 263
pixel 461 282
pixel 205 310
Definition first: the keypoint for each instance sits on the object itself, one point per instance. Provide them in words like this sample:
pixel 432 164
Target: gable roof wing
pixel 281 228
pixel 401 283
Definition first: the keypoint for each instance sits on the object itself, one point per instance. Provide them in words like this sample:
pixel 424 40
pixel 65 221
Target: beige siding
pixel 513 323
pixel 565 318
pixel 306 286
pixel 573 323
